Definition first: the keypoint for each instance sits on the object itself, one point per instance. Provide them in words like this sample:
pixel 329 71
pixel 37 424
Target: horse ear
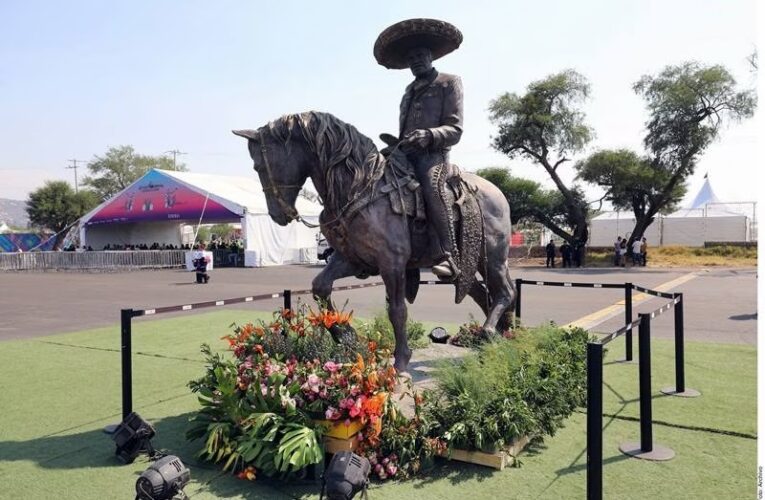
pixel 246 133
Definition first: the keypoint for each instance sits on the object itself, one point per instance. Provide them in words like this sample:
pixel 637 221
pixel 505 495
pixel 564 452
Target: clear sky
pixel 77 77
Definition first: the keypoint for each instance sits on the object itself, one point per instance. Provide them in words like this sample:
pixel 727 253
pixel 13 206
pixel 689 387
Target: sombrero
pixel 394 42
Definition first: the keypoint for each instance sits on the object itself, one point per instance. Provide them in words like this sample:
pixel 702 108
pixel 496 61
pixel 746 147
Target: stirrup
pixel 446 270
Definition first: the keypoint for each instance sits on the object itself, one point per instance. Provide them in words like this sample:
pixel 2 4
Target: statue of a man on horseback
pixel 373 200
pixel 430 122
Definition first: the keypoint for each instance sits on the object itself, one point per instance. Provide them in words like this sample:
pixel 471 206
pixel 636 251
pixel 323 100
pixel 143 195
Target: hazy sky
pixel 78 77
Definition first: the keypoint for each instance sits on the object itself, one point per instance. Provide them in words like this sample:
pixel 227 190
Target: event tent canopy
pixel 154 207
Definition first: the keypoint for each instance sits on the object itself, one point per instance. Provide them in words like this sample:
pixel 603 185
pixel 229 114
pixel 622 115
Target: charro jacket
pixel 434 103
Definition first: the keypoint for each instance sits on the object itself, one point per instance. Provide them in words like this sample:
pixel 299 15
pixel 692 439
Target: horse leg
pixel 501 288
pixel 395 286
pixel 337 268
pixel 479 294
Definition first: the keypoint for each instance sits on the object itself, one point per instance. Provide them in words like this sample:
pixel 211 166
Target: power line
pixel 175 153
pixel 74 166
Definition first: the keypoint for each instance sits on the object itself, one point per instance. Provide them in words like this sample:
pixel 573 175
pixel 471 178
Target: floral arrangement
pixel 289 373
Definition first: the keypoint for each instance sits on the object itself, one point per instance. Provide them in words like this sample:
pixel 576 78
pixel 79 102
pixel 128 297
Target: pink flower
pixel 332 413
pixel 313 379
pixel 385 461
pixel 378 469
pixel 391 469
pixel 331 366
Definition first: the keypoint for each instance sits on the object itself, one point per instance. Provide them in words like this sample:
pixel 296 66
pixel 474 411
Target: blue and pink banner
pixel 158 197
pixel 13 242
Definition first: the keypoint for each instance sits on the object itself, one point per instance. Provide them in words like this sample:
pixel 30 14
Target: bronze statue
pixel 431 118
pixel 373 213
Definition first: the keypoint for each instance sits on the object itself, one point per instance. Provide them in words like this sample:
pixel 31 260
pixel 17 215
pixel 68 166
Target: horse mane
pixel 349 160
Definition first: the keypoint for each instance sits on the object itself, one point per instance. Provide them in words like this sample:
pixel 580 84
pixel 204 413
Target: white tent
pixel 155 207
pixel 705 219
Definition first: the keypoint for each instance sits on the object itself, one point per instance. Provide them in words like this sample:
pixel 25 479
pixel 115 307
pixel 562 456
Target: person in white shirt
pixel 637 256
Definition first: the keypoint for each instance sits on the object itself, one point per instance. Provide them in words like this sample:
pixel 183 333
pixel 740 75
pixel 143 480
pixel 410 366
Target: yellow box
pixel 338 429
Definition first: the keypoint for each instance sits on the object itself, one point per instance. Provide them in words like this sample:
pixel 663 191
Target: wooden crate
pixel 497 460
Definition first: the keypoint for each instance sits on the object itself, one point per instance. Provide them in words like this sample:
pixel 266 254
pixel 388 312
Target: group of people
pixel 571 255
pixel 637 252
pixel 144 246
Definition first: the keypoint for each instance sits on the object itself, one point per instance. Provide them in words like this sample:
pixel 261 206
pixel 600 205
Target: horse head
pixel 281 167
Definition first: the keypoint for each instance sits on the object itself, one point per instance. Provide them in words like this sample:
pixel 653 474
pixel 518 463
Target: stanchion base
pixel 658 454
pixel 109 429
pixel 687 393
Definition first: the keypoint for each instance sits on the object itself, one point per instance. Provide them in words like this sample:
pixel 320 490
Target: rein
pixel 291 212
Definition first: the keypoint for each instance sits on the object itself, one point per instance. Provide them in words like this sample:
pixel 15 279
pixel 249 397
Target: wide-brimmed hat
pixel 395 41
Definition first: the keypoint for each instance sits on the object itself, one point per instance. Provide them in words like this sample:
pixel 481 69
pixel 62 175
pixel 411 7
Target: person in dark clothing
pixel 200 265
pixel 565 253
pixel 550 251
pixel 577 251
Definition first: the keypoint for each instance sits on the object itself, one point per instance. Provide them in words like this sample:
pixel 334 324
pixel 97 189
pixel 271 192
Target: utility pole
pixel 74 166
pixel 175 153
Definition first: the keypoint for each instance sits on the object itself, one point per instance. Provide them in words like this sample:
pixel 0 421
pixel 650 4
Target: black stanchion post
pixel 645 449
pixel 679 346
pixel 126 327
pixel 644 351
pixel 287 299
pixel 680 389
pixel 594 421
pixel 627 321
pixel 518 283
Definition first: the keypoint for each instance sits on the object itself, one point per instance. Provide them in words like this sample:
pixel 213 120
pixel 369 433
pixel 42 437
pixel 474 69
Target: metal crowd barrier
pixel 594 362
pixel 31 261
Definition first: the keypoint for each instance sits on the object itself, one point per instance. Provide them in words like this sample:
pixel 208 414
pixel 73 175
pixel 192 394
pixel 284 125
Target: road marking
pixel 594 319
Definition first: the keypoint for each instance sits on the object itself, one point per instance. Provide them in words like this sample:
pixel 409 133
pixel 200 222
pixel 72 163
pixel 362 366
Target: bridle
pixel 275 189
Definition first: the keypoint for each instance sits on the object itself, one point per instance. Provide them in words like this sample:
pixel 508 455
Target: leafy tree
pixel 545 125
pixel 530 202
pixel 687 106
pixel 629 181
pixel 120 166
pixel 56 206
pixel 222 230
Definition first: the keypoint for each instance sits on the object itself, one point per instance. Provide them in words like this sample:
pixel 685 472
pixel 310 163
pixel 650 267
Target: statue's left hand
pixel 421 138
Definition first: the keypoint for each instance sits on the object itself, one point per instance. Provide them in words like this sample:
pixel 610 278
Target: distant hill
pixel 13 213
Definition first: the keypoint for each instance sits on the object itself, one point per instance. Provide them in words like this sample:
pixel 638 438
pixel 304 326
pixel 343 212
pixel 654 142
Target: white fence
pixel 91 260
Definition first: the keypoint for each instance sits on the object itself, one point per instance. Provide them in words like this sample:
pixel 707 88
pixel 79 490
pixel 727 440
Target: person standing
pixel 643 251
pixel 637 254
pixel 199 260
pixel 430 119
pixel 623 252
pixel 550 252
pixel 565 253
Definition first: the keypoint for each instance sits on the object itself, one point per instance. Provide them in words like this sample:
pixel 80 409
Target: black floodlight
pixel 439 335
pixel 165 479
pixel 346 475
pixel 133 437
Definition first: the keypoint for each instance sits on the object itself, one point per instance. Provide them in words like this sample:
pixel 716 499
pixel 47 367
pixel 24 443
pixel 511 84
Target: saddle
pixel 402 188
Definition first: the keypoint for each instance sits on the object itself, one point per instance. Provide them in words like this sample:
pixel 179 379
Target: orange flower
pixel 287 314
pixel 259 348
pixel 248 473
pixel 372 346
pixel 259 331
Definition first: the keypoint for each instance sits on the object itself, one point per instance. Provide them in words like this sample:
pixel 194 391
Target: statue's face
pixel 420 61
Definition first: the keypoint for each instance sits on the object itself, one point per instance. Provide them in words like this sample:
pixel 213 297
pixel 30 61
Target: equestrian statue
pixel 394 211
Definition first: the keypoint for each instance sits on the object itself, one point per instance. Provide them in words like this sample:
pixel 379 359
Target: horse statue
pixel 374 218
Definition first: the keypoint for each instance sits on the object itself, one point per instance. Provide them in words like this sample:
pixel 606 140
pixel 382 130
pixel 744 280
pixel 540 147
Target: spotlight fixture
pixel 163 480
pixel 133 436
pixel 439 335
pixel 346 475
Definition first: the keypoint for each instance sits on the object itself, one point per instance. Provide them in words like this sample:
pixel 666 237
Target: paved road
pixel 720 303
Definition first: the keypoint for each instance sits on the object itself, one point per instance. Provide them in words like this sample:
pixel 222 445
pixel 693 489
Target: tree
pixel 544 125
pixel 56 206
pixel 530 202
pixel 630 181
pixel 687 106
pixel 120 166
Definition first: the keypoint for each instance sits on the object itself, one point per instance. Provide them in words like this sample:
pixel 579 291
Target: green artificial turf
pixel 56 393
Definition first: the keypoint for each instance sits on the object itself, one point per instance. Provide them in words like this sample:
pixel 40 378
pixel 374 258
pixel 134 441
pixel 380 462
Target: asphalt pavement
pixel 720 304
